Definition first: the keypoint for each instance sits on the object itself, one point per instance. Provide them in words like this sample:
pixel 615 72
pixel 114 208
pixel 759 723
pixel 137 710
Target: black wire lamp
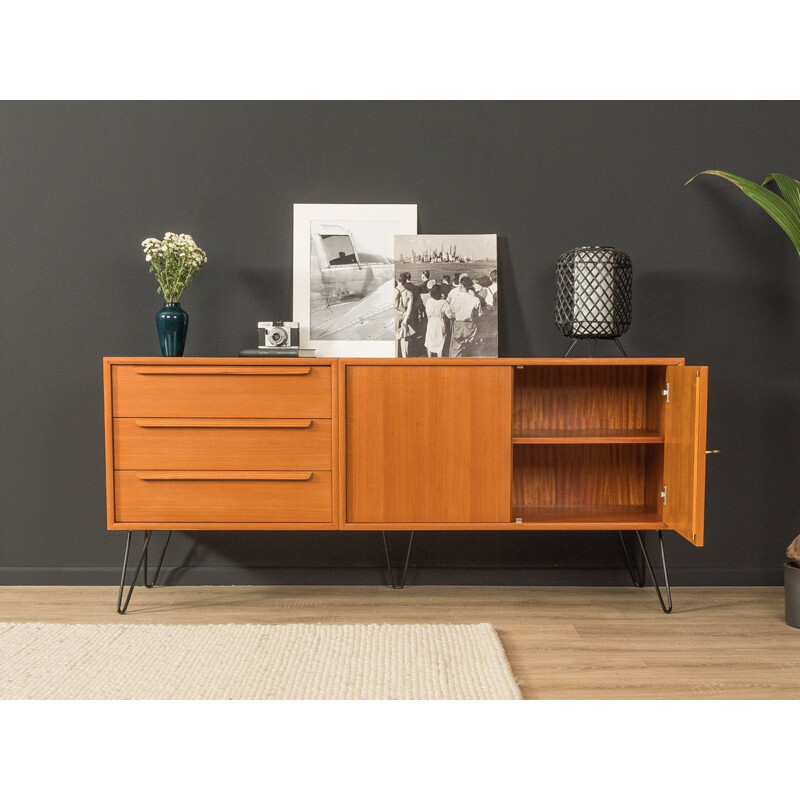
pixel 593 295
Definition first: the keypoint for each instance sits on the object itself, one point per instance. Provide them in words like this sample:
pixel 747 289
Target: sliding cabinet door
pixel 427 445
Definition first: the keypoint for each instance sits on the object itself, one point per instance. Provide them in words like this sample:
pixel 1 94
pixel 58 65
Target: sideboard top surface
pixel 428 362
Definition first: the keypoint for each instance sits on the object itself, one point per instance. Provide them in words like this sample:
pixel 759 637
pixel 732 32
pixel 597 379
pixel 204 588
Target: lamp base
pixel 593 345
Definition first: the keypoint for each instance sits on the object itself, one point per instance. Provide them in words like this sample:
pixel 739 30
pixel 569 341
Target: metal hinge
pixel 663 495
pixel 694 537
pixel 520 366
pixel 665 392
pixel 518 520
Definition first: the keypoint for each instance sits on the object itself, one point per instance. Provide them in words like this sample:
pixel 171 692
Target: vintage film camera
pixel 279 338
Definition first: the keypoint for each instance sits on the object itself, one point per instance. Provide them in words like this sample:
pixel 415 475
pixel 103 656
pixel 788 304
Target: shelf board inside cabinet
pixel 589 436
pixel 589 517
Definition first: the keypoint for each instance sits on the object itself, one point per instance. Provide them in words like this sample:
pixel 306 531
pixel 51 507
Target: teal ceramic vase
pixel 172 322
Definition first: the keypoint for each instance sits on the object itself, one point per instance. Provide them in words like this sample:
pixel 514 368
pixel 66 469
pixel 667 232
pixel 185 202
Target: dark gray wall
pixel 715 281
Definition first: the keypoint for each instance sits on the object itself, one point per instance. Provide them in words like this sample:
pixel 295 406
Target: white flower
pixel 175 258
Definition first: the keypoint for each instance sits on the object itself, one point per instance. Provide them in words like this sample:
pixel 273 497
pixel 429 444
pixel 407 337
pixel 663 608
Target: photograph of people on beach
pixel 445 296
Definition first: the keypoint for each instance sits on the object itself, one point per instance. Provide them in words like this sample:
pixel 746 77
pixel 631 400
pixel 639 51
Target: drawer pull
pixel 223 423
pixel 224 476
pixel 227 372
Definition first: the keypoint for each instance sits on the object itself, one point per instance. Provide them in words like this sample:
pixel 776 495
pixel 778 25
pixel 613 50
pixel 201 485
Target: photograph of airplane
pixel 351 287
pixel 343 285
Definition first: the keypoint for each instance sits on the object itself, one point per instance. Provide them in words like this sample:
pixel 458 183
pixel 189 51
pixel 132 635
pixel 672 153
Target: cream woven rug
pixel 253 662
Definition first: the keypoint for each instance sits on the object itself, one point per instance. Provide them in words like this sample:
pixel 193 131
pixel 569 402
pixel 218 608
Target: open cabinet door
pixel 685 451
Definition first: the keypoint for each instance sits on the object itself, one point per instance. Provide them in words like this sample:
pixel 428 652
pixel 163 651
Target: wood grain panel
pixel 684 451
pixel 612 397
pixel 202 443
pixel 428 444
pixel 267 391
pixel 654 477
pixel 597 475
pixel 260 497
pixel 108 416
pixel 656 382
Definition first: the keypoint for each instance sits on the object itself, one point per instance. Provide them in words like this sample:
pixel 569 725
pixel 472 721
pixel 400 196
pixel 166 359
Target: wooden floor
pixel 564 642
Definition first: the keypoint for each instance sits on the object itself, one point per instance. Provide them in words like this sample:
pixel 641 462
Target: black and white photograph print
pixel 445 296
pixel 344 276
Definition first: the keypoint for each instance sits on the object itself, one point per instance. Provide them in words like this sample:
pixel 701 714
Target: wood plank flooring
pixel 562 642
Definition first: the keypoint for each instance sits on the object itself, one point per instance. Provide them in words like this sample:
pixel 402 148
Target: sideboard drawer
pixel 192 443
pixel 210 391
pixel 224 497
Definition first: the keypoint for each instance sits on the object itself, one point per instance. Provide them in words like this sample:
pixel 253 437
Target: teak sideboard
pixel 405 444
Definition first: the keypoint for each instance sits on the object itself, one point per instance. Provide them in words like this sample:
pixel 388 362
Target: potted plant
pixel 174 260
pixel 785 210
pixel 791 584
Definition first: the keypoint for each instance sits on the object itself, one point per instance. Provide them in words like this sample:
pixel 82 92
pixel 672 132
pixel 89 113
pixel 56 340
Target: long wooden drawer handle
pixel 224 476
pixel 223 423
pixel 227 372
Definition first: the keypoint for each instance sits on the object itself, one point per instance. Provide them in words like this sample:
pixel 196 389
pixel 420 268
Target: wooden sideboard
pixel 407 444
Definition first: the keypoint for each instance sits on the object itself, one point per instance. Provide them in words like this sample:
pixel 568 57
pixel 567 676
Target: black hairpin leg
pixel 619 344
pixel 569 349
pixel 637 578
pixel 402 581
pixel 593 347
pixel 122 608
pixel 665 607
pixel 158 568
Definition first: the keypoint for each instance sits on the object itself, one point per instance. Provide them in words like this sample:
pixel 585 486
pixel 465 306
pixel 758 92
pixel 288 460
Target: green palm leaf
pixel 790 188
pixel 784 213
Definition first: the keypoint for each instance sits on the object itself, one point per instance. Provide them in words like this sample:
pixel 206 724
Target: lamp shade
pixel 593 293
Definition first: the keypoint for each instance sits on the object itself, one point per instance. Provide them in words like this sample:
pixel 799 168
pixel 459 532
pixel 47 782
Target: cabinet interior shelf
pixel 589 517
pixel 590 436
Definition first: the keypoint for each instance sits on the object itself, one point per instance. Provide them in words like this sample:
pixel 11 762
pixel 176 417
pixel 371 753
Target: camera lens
pixel 277 336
